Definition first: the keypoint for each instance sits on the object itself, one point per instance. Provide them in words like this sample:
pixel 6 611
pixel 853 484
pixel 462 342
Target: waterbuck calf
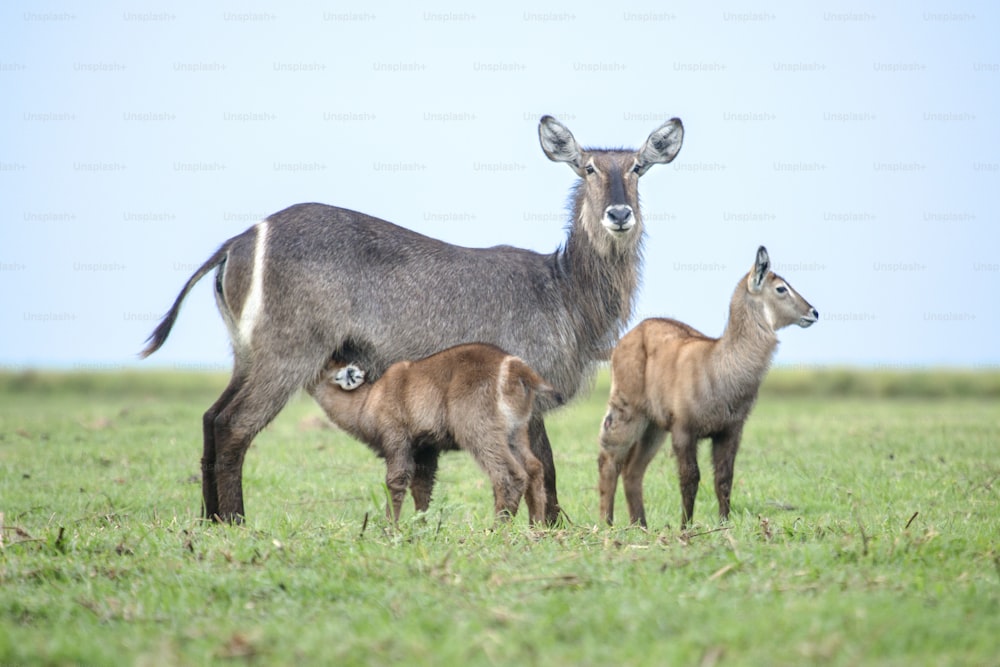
pixel 668 377
pixel 474 397
pixel 315 281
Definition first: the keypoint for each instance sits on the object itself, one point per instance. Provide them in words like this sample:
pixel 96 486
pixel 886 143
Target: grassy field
pixel 866 530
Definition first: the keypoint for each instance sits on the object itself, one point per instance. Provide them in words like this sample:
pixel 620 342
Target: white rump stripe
pixel 252 307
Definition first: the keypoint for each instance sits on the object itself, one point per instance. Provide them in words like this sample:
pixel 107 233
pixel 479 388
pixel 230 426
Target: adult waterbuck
pixel 313 282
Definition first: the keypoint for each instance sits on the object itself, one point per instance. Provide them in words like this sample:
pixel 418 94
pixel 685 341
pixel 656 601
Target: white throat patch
pixel 769 316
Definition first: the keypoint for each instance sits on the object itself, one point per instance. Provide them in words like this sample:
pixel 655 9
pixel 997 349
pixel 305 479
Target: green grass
pixel 865 531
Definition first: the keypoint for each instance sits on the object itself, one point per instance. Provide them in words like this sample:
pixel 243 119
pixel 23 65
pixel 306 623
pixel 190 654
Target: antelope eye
pixel 781 289
pixel 589 169
pixel 636 169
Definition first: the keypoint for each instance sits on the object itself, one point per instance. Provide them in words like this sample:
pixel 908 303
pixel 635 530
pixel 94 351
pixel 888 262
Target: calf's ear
pixel 349 377
pixel 761 267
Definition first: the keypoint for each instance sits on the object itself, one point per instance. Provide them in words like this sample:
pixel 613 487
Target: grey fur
pixel 344 284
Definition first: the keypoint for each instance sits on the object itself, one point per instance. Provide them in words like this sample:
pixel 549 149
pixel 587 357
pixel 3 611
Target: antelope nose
pixel 619 214
pixel 815 313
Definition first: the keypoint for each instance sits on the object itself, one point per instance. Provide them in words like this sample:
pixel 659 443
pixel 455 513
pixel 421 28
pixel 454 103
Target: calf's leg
pixel 620 432
pixel 534 492
pixel 635 470
pixel 425 470
pixel 686 450
pixel 724 448
pixel 542 450
pixel 492 453
pixel 399 470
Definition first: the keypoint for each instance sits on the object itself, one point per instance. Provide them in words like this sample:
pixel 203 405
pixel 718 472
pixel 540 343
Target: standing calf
pixel 668 377
pixel 474 397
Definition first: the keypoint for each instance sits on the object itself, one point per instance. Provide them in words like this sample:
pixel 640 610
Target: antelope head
pixel 782 305
pixel 608 191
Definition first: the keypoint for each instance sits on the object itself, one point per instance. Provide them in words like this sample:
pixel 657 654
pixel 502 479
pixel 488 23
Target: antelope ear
pixel 761 267
pixel 661 147
pixel 349 378
pixel 559 144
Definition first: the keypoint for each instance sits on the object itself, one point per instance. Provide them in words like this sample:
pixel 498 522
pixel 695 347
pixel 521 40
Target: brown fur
pixel 474 397
pixel 667 377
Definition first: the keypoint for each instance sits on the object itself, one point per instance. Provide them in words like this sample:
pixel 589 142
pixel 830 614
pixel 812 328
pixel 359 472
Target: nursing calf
pixel 667 377
pixel 474 397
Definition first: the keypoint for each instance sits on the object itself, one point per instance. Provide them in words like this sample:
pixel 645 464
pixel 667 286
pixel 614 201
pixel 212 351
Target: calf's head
pixel 782 306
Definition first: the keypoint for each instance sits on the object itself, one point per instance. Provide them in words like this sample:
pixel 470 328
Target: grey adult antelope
pixel 667 377
pixel 313 282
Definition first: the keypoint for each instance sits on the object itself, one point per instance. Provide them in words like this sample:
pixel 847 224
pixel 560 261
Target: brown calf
pixel 474 397
pixel 668 377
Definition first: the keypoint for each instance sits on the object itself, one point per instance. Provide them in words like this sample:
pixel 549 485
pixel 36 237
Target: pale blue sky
pixel 858 141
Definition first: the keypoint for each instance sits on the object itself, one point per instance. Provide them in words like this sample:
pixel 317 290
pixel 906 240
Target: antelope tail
pixel 160 333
